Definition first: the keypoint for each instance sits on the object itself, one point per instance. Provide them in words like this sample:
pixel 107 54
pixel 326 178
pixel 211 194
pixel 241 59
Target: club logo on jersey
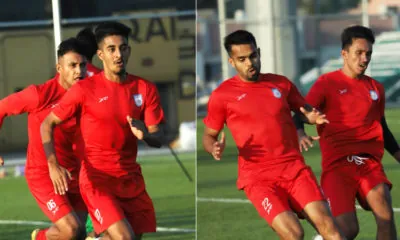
pixel 138 99
pixel 276 93
pixel 374 95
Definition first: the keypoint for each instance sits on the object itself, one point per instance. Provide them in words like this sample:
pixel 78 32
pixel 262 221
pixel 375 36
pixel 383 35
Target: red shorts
pixel 110 200
pixel 53 205
pixel 272 197
pixel 349 179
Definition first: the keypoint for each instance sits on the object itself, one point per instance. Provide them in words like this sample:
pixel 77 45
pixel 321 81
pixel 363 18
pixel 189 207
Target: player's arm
pixel 305 113
pixel 67 108
pixel 58 174
pixel 152 135
pixel 18 103
pixel 211 143
pixel 389 141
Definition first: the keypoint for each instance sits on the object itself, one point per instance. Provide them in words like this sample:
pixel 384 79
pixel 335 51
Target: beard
pixel 253 77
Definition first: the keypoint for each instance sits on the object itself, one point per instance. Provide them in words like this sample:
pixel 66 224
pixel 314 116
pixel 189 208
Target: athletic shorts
pixel 54 206
pixel 352 177
pixel 271 198
pixel 110 200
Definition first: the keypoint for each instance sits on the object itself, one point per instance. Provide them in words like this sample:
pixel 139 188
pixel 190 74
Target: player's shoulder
pixel 228 84
pixel 275 78
pixel 88 82
pixel 45 87
pixel 330 76
pixel 141 80
pixel 374 81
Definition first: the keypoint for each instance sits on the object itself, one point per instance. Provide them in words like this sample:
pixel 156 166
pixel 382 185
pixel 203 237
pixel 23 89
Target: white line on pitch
pixel 46 224
pixel 240 200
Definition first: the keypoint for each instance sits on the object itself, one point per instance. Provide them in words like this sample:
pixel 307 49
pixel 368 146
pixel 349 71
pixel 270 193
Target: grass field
pixel 232 218
pixel 173 196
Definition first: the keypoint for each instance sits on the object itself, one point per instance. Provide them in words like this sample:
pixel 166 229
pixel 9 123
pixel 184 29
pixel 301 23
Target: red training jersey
pixel 38 101
pixel 103 105
pixel 258 114
pixel 354 108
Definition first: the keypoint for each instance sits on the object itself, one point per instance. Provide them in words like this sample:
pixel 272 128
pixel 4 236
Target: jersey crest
pixel 374 95
pixel 276 93
pixel 138 99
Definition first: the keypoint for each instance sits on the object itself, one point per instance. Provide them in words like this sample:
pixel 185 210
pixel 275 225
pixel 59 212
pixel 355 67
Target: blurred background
pixel 301 40
pixel 163 51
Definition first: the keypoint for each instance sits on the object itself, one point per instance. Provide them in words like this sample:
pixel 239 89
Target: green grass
pixel 173 196
pixel 220 221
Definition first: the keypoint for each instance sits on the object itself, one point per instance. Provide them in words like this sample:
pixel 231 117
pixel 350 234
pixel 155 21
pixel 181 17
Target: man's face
pixel 72 68
pixel 357 56
pixel 245 58
pixel 114 51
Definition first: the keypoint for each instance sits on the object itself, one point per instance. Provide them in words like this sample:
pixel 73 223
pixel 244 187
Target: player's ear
pixel 58 65
pixel 344 53
pixel 230 60
pixel 100 54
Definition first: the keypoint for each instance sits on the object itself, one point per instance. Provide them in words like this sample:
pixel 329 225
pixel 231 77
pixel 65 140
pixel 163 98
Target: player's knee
pixel 349 229
pixel 123 236
pixel 72 230
pixel 293 233
pixel 384 216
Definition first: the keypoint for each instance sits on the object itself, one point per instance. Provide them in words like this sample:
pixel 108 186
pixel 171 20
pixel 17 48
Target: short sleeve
pixel 316 95
pixel 153 112
pixel 24 101
pixel 70 103
pixel 216 112
pixel 295 99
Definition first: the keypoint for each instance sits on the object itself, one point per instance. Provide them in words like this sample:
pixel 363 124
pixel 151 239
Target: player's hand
pixel 306 141
pixel 218 147
pixel 314 116
pixel 59 176
pixel 138 127
pixel 1 161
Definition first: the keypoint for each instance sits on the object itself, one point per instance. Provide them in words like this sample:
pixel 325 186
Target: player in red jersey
pixel 86 36
pixel 352 145
pixel 38 101
pixel 116 109
pixel 257 109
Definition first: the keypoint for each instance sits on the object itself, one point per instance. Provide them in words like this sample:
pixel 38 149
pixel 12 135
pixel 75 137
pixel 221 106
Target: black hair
pixel 355 32
pixel 239 37
pixel 86 36
pixel 109 29
pixel 70 45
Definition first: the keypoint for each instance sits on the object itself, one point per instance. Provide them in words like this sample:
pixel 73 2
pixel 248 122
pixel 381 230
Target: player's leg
pixel 271 202
pixel 340 186
pixel 380 201
pixel 140 214
pixel 66 224
pixel 119 230
pixel 306 196
pixel 321 218
pixel 106 213
pixel 67 227
pixel 77 203
pixel 287 226
pixel 375 195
